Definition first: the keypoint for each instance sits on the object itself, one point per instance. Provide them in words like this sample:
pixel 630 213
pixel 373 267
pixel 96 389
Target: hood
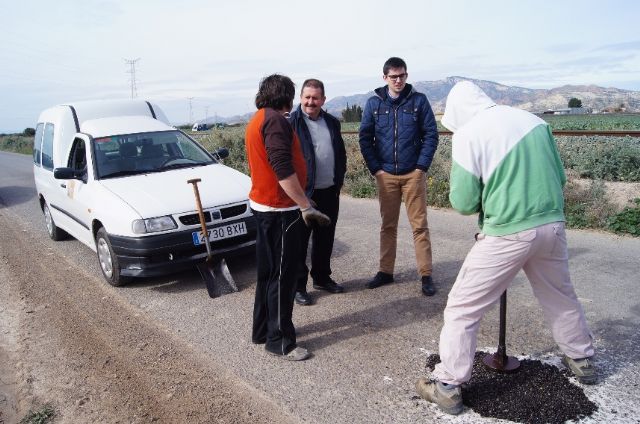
pixel 383 93
pixel 166 193
pixel 464 101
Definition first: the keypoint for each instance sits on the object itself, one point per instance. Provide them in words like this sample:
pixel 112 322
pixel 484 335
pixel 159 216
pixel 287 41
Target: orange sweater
pixel 274 153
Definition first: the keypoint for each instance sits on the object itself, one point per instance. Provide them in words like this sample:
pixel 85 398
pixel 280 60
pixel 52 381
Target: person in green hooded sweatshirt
pixel 506 168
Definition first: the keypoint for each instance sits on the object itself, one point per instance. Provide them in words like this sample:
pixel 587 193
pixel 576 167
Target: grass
pixel 44 415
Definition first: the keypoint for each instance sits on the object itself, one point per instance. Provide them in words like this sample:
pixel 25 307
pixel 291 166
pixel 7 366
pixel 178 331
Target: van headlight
pixel 153 225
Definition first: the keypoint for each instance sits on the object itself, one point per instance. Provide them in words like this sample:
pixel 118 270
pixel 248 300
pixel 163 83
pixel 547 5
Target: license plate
pixel 219 233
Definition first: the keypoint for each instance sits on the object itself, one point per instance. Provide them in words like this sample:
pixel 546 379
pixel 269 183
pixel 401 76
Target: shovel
pixel 211 270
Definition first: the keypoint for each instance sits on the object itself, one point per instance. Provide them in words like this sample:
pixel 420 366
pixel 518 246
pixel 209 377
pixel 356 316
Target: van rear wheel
pixel 108 260
pixel 55 233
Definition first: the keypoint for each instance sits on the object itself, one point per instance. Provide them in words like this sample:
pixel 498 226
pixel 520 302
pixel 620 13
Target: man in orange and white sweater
pixel 279 203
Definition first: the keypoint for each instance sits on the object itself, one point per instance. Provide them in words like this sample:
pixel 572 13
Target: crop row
pixel 597 122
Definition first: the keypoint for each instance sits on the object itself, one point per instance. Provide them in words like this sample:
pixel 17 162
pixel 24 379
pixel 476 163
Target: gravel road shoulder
pixel 95 358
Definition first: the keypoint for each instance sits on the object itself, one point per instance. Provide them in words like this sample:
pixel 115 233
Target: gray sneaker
pixel 297 354
pixel 448 400
pixel 583 369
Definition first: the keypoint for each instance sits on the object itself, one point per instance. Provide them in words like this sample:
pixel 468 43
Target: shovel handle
pixel 203 223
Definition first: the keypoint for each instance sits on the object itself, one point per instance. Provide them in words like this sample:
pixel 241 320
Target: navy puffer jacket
pixel 398 135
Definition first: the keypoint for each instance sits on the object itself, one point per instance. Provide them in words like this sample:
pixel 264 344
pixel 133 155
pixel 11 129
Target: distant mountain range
pixel 534 100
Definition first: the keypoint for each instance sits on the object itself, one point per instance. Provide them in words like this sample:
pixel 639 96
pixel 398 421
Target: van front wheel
pixel 108 260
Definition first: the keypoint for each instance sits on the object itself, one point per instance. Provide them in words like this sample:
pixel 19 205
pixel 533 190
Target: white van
pixel 113 174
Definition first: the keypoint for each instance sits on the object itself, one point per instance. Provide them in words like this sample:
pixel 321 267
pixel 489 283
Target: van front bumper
pixel 172 252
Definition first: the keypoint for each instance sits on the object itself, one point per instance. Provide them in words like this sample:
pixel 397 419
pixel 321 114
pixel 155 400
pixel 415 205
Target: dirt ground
pixel 94 358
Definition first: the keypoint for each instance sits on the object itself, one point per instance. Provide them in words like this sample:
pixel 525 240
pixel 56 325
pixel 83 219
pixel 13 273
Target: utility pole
pixel 206 115
pixel 190 109
pixel 132 71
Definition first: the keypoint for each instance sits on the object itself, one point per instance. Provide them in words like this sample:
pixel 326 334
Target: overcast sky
pixel 217 51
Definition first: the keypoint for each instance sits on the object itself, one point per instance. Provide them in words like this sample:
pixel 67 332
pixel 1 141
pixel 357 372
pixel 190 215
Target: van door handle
pixel 63 185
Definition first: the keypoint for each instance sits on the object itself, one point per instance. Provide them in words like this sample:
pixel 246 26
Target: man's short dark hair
pixel 313 83
pixel 393 62
pixel 275 91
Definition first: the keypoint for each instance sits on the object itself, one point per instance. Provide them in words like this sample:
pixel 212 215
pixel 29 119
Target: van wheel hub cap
pixel 104 256
pixel 48 220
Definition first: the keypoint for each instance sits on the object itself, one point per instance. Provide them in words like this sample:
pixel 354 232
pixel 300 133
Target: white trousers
pixel 487 272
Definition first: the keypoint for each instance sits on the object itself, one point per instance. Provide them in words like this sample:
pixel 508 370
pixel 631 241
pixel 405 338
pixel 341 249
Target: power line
pixel 132 71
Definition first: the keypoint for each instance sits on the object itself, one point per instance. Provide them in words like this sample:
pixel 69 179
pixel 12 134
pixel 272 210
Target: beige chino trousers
pixel 391 190
pixel 487 272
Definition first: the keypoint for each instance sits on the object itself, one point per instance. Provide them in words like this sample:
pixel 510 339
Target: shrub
pixel 29 132
pixel 608 158
pixel 586 207
pixel 232 139
pixel 17 144
pixel 627 221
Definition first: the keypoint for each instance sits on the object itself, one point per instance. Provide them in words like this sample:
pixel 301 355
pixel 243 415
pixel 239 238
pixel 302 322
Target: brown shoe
pixel 448 400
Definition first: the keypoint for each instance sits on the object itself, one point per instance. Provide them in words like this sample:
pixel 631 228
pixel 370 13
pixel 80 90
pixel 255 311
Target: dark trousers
pixel 328 202
pixel 278 251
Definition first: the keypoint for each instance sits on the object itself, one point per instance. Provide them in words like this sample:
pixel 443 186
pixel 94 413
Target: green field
pixel 610 122
pixel 598 158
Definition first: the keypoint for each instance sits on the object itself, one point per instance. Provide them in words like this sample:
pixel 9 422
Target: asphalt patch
pixel 536 393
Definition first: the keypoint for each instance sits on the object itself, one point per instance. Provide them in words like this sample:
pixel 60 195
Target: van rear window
pixel 37 144
pixel 47 147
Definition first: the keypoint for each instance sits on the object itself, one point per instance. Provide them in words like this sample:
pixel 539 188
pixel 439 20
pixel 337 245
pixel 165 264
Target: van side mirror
pixel 69 174
pixel 221 153
pixel 63 174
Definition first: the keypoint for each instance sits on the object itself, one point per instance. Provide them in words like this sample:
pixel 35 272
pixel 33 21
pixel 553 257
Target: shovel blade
pixel 224 274
pixel 208 276
pixel 216 274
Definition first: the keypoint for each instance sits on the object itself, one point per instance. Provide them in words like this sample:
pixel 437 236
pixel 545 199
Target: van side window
pixel 47 147
pixel 37 143
pixel 78 157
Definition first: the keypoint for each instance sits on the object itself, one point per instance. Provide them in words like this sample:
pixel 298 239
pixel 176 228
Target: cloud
pixel 625 46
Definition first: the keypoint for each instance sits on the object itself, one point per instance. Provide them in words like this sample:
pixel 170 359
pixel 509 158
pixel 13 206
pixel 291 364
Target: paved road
pixel 370 345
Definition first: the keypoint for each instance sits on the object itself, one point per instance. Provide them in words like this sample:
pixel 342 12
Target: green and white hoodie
pixel 505 164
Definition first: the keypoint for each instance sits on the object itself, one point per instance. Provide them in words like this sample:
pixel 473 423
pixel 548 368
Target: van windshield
pixel 140 153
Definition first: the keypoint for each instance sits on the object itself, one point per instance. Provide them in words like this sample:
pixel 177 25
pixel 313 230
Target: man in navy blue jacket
pixel 398 138
pixel 326 158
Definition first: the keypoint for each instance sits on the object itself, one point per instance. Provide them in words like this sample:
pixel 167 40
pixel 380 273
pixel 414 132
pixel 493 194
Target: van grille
pixel 232 211
pixel 193 219
pixel 225 213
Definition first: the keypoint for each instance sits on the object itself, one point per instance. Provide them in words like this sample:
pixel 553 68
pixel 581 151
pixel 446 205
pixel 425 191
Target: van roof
pixel 120 125
pixel 94 109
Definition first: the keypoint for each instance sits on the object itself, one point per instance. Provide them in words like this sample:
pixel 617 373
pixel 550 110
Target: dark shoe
pixel 303 298
pixel 583 369
pixel 328 285
pixel 428 289
pixel 448 400
pixel 380 279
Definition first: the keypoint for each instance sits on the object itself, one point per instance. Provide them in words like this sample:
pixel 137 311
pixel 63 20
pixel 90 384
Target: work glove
pixel 312 216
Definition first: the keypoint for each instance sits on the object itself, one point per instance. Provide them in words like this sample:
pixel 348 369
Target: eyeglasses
pixel 400 77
